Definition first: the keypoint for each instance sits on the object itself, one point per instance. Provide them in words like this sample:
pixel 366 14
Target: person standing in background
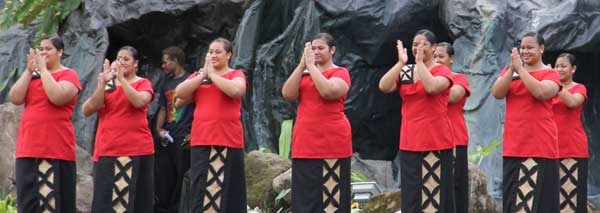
pixel 572 141
pixel 172 158
pixel 444 54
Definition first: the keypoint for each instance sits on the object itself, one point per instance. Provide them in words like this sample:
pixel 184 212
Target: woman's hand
pixel 40 63
pixel 106 75
pixel 516 64
pixel 420 54
pixel 402 56
pixel 31 63
pixel 309 55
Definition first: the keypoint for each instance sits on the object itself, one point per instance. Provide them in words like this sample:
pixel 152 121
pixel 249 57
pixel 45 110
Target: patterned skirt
pixel 427 181
pixel 217 179
pixel 573 184
pixel 124 184
pixel 321 185
pixel 530 185
pixel 45 185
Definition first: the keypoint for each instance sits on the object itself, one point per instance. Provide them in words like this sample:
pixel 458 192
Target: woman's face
pixel 322 51
pixel 126 62
pixel 564 68
pixel 531 51
pixel 217 55
pixel 421 40
pixel 440 55
pixel 49 52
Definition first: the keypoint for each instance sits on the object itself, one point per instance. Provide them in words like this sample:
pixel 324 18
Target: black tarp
pixel 269 36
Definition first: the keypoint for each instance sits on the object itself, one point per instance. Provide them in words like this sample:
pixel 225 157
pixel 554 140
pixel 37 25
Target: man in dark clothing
pixel 172 158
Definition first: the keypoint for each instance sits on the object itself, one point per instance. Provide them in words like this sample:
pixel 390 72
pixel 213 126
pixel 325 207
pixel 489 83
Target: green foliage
pixel 46 13
pixel 7 204
pixel 285 138
pixel 482 152
pixel 357 176
pixel 264 150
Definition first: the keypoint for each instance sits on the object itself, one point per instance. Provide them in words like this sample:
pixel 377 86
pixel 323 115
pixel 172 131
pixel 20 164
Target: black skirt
pixel 461 177
pixel 45 185
pixel 124 184
pixel 217 177
pixel 321 185
pixel 427 181
pixel 573 184
pixel 530 185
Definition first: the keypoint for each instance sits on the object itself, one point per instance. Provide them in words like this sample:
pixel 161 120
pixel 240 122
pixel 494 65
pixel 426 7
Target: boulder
pixel 480 199
pixel 284 182
pixel 384 202
pixel 261 169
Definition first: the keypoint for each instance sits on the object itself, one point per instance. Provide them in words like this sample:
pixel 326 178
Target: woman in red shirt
pixel 45 164
pixel 123 151
pixel 217 164
pixel 572 141
pixel 322 138
pixel 444 53
pixel 426 140
pixel 530 148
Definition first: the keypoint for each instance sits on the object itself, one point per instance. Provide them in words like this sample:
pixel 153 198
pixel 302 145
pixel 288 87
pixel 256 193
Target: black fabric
pixel 308 185
pixel 140 184
pixel 180 125
pixel 27 180
pixel 461 177
pixel 233 191
pixel 545 192
pixel 581 184
pixel 171 164
pixel 412 181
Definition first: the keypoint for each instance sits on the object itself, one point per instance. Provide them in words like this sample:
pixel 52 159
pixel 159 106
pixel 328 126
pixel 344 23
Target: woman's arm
pixel 234 88
pixel 290 89
pixel 571 100
pixel 329 89
pixel 96 101
pixel 457 92
pixel 387 83
pixel 432 84
pixel 58 92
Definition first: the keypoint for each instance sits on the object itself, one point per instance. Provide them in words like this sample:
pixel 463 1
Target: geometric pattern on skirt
pixel 46 192
pixel 331 190
pixel 121 180
pixel 214 180
pixel 568 184
pixel 430 172
pixel 528 174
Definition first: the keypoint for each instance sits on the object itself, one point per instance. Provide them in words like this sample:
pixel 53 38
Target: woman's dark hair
pixel 430 36
pixel 175 53
pixel 327 37
pixel 134 52
pixel 227 45
pixel 56 41
pixel 538 37
pixel 449 48
pixel 569 57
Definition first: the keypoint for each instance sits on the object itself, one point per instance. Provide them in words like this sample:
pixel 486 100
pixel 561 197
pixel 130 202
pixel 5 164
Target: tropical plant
pixel 482 152
pixel 358 176
pixel 48 14
pixel 7 204
pixel 285 138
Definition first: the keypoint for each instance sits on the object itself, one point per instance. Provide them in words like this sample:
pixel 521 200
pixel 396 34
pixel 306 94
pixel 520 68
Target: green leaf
pixel 357 176
pixel 285 138
pixel 282 194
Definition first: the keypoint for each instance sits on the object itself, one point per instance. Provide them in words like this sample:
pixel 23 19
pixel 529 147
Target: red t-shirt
pixel 46 130
pixel 572 141
pixel 529 130
pixel 321 129
pixel 122 128
pixel 425 122
pixel 456 112
pixel 217 116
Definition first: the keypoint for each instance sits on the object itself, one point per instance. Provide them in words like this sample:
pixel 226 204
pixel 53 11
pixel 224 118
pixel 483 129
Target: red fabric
pixel 456 112
pixel 123 129
pixel 425 122
pixel 46 130
pixel 217 116
pixel 572 141
pixel 529 130
pixel 321 129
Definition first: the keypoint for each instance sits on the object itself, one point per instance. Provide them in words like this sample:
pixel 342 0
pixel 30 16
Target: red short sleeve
pixel 70 76
pixel 343 74
pixel 145 85
pixel 460 79
pixel 579 88
pixel 441 70
pixel 553 76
